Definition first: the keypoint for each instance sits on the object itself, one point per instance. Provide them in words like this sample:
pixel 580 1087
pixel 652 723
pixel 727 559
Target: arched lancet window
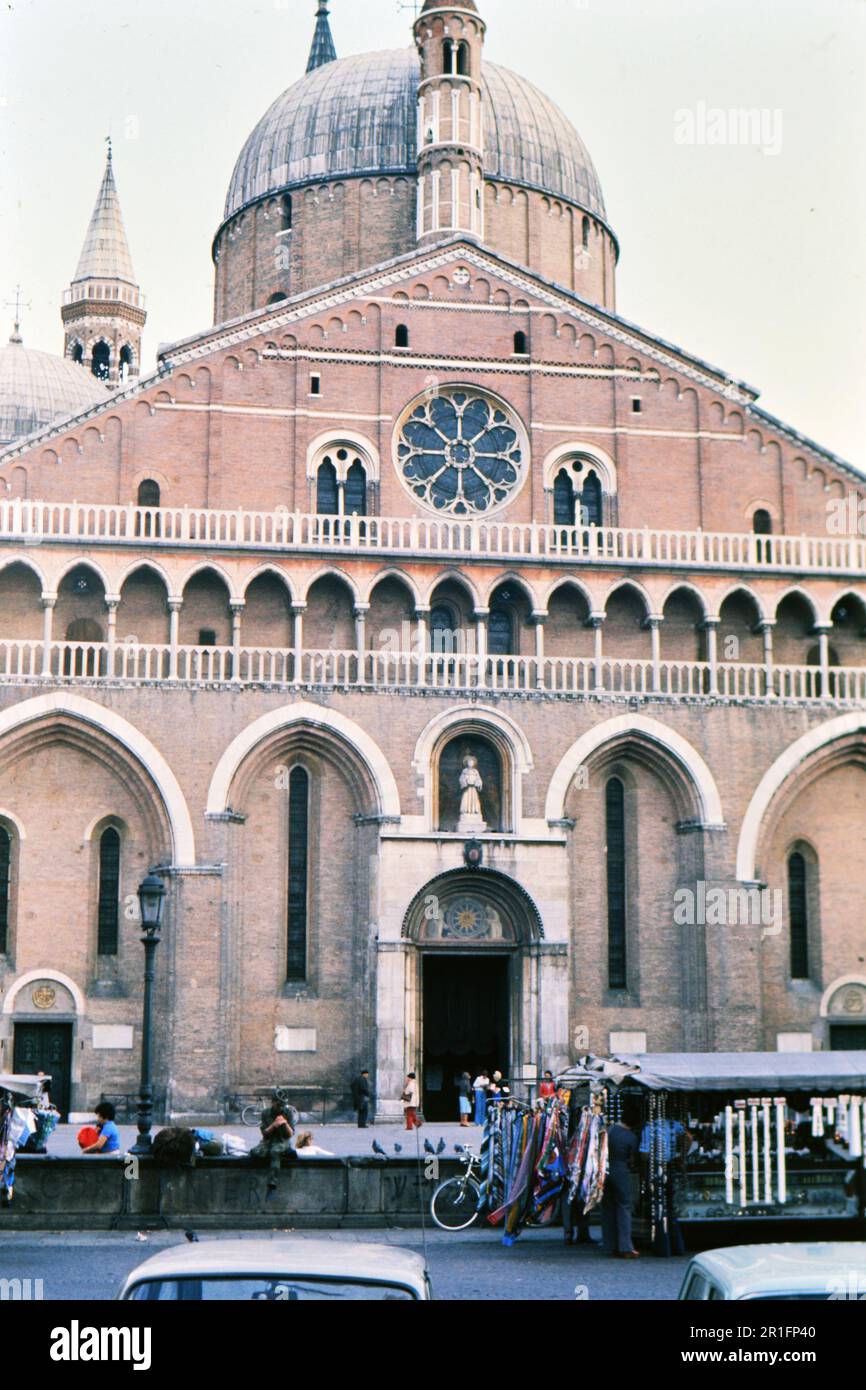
pixel 101 361
pixel 585 233
pixel 563 500
pixel 108 907
pixel 444 630
pixel 327 497
pixel 521 344
pixel 148 493
pixel 5 873
pixel 401 337
pixel 78 352
pixel 277 297
pixel 126 360
pixel 298 885
pixel 286 213
pixel 762 525
pixel 463 59
pixel 591 501
pixel 355 490
pixel 500 632
pixel 616 916
pixel 798 913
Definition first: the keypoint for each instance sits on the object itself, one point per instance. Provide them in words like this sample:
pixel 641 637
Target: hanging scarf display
pixel 7 1156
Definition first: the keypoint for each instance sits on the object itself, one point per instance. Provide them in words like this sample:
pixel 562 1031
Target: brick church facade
pixel 421 502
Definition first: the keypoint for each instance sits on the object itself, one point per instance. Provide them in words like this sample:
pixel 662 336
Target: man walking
pixel 361 1097
pixel 410 1098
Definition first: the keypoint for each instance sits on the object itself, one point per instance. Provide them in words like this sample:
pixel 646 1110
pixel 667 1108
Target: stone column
pixel 766 629
pixel 481 617
pixel 654 624
pixel 711 628
pixel 237 609
pixel 596 622
pixel 48 602
pixel 393 1001
pixel 298 610
pixel 553 1043
pixel 361 611
pixel 422 644
pixel 174 607
pixel 822 631
pixel 538 619
pixel 111 604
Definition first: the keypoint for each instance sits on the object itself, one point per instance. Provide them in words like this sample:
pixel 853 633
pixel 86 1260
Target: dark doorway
pixel 848 1037
pixel 46 1047
pixel 466 1025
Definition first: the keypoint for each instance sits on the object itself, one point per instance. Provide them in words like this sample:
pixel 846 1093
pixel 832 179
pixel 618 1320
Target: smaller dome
pixel 37 388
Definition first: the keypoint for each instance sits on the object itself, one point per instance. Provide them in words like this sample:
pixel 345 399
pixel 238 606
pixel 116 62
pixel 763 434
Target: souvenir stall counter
pixel 21 1098
pixel 764 1136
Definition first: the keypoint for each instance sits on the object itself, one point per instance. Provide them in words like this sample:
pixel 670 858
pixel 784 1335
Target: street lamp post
pixel 151 895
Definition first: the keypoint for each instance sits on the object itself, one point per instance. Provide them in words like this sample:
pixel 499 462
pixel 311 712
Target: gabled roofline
pixel 235 332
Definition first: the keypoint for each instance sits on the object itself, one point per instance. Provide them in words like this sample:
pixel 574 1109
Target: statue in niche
pixel 471 787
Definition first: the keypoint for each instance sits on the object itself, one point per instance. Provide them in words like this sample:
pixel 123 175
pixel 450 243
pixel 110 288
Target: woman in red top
pixel 547 1087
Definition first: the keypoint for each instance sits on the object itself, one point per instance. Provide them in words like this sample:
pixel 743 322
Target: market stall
pixel 767 1136
pixel 24 1117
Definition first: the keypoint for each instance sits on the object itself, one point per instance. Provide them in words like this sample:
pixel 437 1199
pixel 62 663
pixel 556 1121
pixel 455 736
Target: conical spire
pixel 323 49
pixel 105 254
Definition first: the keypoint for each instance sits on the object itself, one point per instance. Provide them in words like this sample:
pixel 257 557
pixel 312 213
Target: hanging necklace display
pixel 729 1155
pixel 855 1129
pixel 740 1107
pixel 756 1164
pixel 766 1104
pixel 781 1172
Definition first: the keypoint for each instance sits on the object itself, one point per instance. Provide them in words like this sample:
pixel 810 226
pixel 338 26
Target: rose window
pixel 460 452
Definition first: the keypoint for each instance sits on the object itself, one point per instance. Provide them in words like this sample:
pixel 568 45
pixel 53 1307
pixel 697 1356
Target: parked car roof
pixel 283 1258
pixel 743 1271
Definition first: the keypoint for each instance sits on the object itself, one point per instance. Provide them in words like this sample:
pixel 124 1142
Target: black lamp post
pixel 151 896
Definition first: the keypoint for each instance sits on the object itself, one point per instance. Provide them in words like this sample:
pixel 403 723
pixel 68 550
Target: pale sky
pixel 750 259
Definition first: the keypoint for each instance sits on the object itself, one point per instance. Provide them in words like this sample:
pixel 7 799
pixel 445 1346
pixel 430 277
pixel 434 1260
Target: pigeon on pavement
pixel 398 1148
pixel 428 1147
pixel 378 1150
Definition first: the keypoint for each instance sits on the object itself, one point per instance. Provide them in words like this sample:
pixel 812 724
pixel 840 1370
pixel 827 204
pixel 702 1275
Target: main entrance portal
pixel 467 1026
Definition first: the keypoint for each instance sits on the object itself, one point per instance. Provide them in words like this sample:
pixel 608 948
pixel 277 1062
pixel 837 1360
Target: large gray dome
pixel 37 388
pixel 359 116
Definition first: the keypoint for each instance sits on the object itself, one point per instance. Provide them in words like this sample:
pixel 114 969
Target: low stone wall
pixel 64 1194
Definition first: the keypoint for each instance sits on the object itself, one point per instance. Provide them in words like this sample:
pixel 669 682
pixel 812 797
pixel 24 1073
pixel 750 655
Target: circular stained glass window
pixel 461 452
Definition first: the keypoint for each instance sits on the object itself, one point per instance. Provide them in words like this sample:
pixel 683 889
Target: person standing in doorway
pixel 479 1086
pixel 410 1100
pixel 464 1099
pixel 361 1098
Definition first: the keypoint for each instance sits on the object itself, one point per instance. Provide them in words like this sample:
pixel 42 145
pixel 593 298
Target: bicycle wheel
pixel 250 1114
pixel 454 1204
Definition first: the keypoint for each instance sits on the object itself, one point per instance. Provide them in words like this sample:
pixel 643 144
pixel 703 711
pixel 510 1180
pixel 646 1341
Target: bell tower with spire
pixel 450 42
pixel 103 310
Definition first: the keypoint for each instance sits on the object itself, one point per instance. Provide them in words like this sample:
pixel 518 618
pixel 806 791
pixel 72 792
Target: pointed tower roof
pixel 323 49
pixel 105 254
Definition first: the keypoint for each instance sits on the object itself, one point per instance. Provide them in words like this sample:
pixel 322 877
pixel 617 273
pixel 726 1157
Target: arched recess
pixel 366 750
pixel 487 722
pixel 638 728
pixel 833 738
pixel 153 765
pixel 520 919
pixel 45 973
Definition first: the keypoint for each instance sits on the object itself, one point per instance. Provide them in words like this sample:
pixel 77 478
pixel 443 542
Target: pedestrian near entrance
pixel 616 1204
pixel 361 1098
pixel 410 1100
pixel 479 1086
pixel 464 1099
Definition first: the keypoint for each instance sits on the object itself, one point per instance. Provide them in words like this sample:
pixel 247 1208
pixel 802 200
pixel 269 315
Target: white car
pixel 811 1271
pixel 277 1271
